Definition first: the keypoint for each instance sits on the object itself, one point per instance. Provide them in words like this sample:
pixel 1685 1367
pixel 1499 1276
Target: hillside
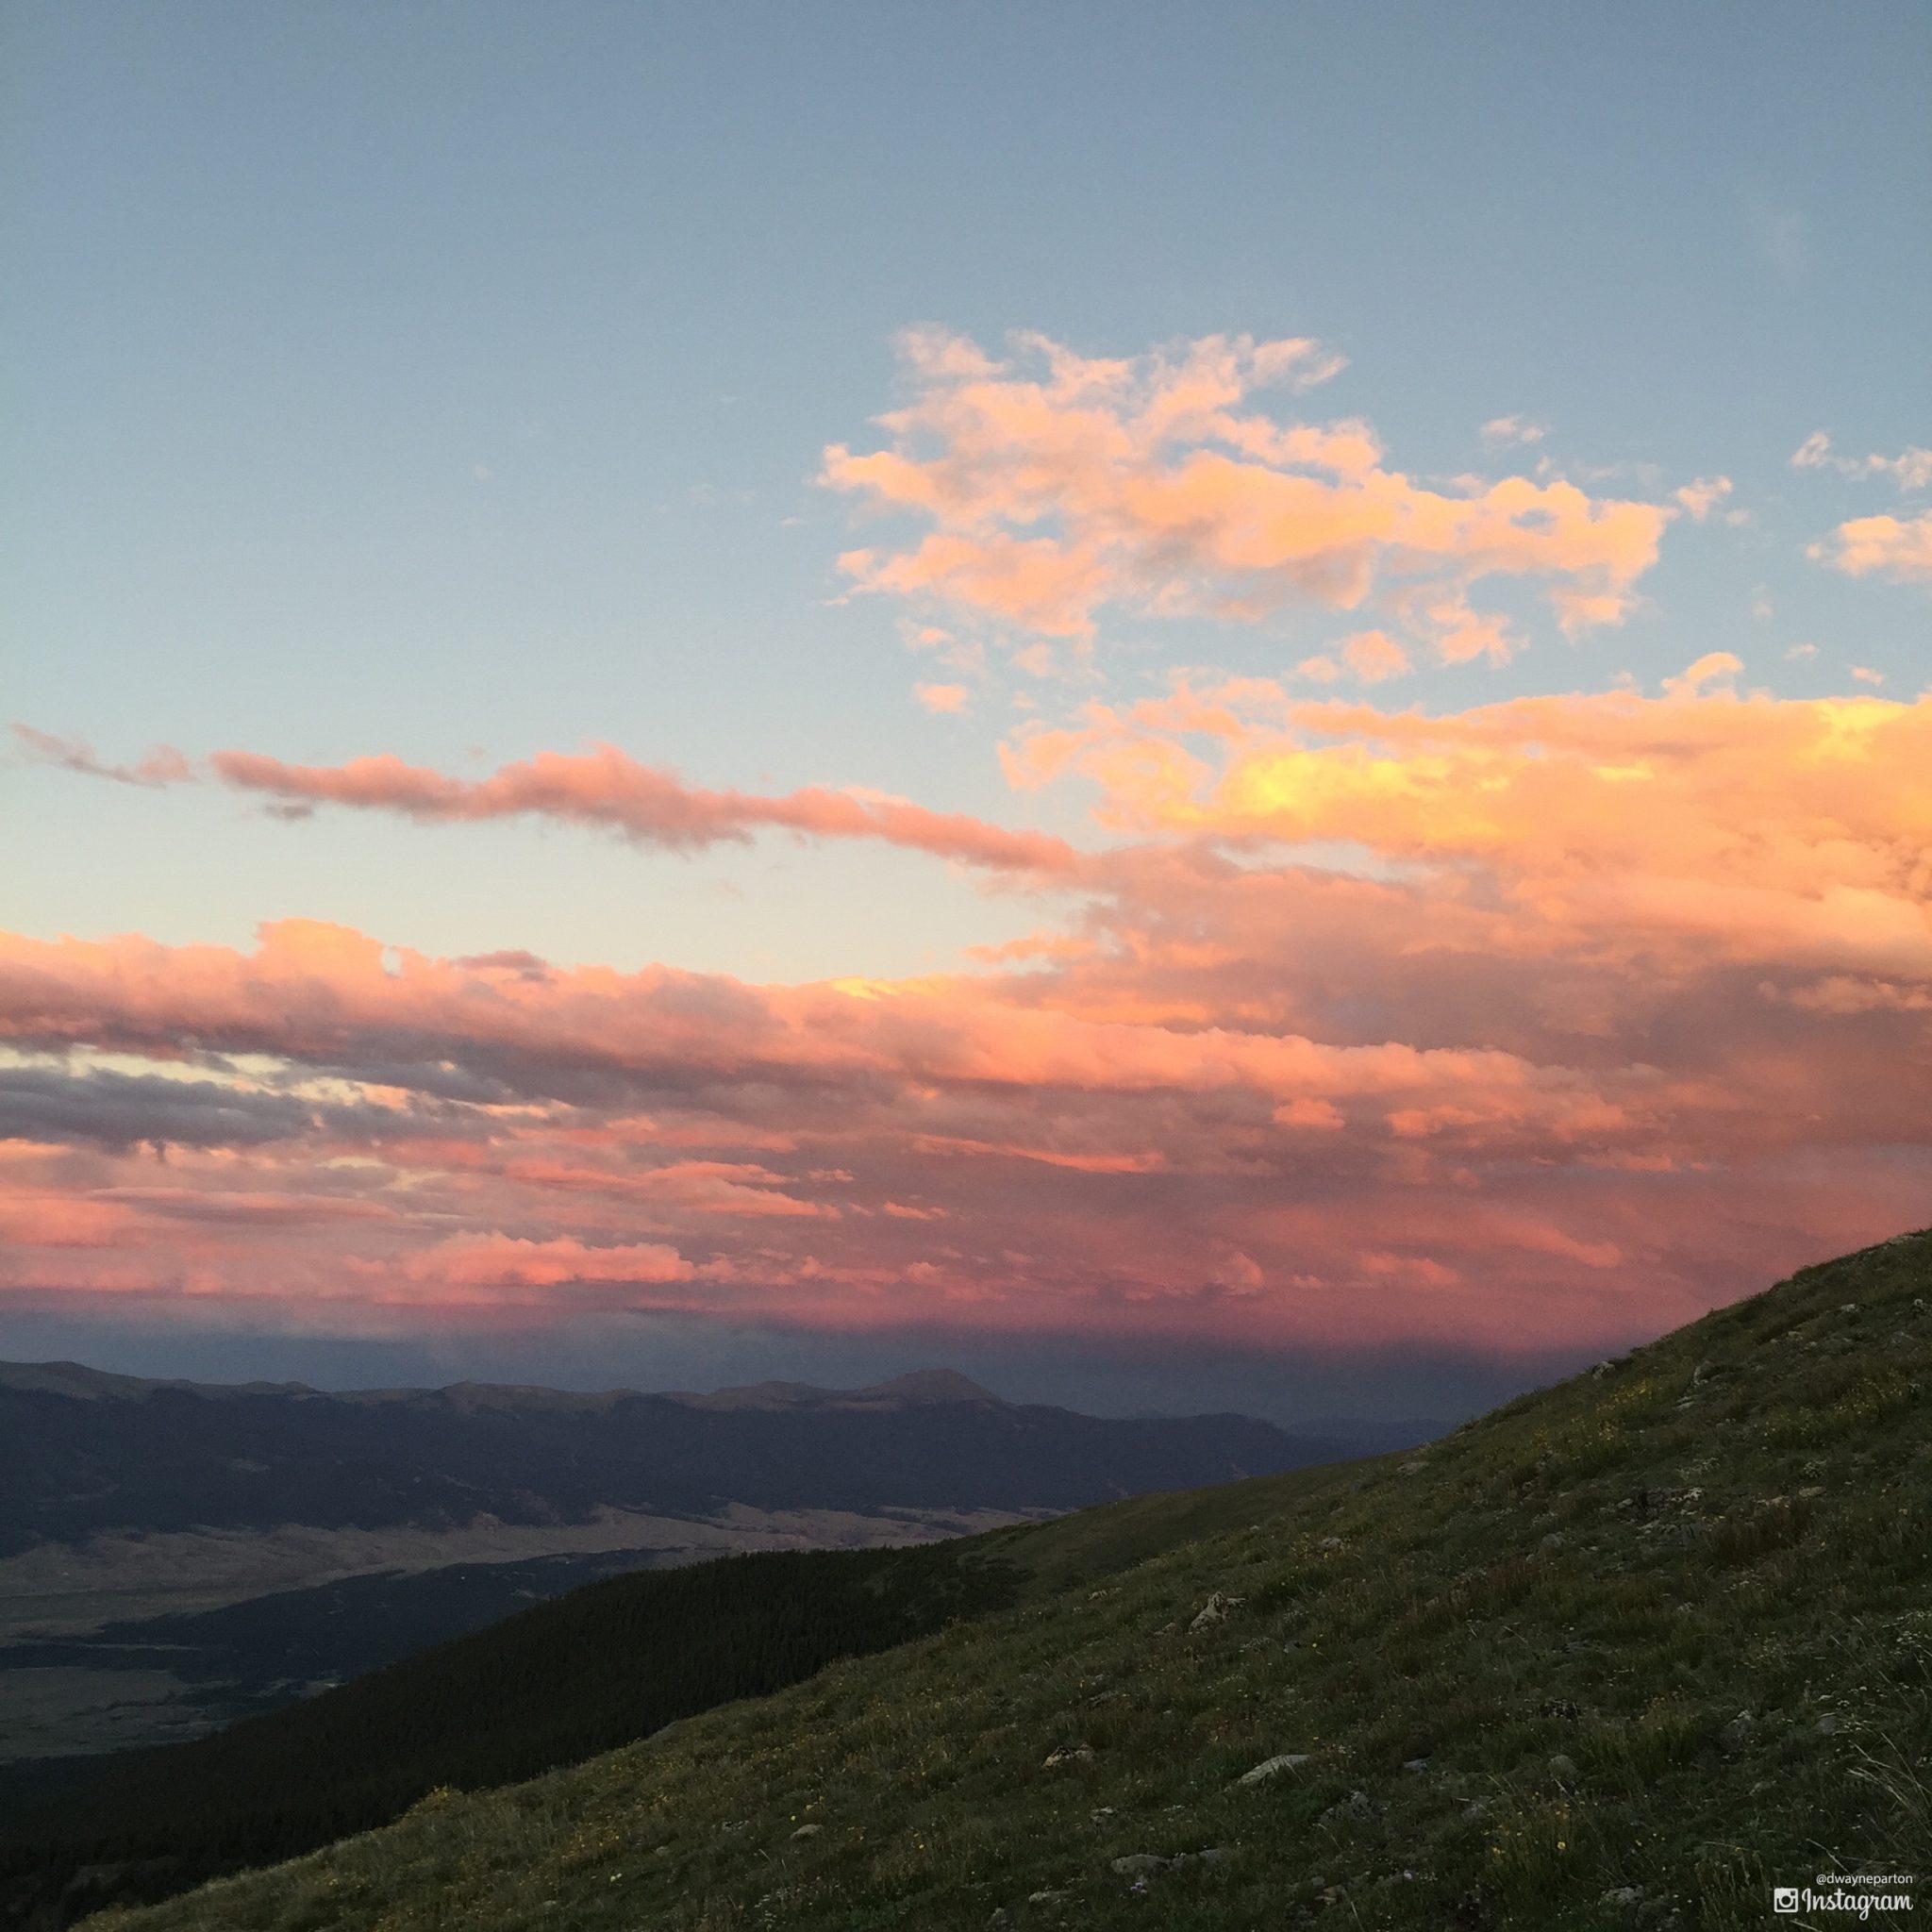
pixel 174 1556
pixel 1624 1653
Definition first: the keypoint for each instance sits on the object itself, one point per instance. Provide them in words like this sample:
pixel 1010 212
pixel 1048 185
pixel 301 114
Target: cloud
pixel 164 765
pixel 1881 546
pixel 1703 497
pixel 605 788
pixel 1054 485
pixel 1603 1016
pixel 942 698
pixel 507 1260
pixel 1374 656
pixel 1910 470
pixel 1509 432
pixel 1714 667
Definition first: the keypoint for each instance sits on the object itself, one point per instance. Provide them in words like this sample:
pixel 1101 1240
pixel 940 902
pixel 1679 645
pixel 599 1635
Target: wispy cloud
pixel 1912 469
pixel 1512 432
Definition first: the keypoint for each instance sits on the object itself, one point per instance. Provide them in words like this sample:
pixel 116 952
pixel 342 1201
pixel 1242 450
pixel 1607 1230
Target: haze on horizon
pixel 1188 712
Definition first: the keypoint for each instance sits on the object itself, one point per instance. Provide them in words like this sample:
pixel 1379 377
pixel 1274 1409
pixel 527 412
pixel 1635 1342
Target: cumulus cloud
pixel 1055 485
pixel 1885 546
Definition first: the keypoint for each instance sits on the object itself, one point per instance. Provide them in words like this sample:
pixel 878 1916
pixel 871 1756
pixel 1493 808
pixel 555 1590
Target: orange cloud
pixel 942 698
pixel 1886 546
pixel 1056 484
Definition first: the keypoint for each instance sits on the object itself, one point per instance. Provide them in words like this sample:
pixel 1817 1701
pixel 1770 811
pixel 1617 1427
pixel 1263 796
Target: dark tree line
pixel 557 1683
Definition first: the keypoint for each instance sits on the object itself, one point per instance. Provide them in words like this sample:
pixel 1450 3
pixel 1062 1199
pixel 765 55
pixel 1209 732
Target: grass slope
pixel 1624 1653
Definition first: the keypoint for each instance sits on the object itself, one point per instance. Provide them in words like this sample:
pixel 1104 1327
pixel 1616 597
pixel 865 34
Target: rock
pixel 1215 1610
pixel 1827 1724
pixel 1417 1764
pixel 1736 1736
pixel 1139 1864
pixel 1055 1897
pixel 1329 1542
pixel 1624 1895
pixel 1067 1754
pixel 1000 1917
pixel 1274 1767
pixel 1414 1468
pixel 1562 1767
pixel 808 1831
pixel 1553 1542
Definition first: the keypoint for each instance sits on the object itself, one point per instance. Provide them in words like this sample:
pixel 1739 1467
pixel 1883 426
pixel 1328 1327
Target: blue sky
pixel 454 383
pixel 286 281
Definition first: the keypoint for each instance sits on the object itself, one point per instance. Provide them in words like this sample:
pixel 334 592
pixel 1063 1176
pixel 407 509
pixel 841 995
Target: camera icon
pixel 1784 1898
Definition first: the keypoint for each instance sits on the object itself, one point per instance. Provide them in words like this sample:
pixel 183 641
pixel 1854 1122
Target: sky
pixel 1197 708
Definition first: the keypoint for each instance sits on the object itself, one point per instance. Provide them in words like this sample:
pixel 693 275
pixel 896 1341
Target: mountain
pixel 174 1556
pixel 83 1454
pixel 1630 1652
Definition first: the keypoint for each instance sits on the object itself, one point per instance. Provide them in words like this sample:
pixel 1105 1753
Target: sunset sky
pixel 1194 708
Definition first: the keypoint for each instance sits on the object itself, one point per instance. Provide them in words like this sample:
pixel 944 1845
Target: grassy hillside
pixel 553 1684
pixel 1622 1653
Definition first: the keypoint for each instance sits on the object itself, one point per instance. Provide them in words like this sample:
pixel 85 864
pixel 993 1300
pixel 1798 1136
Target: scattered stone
pixel 808 1831
pixel 1357 1805
pixel 1067 1753
pixel 1562 1767
pixel 1101 1811
pixel 1274 1767
pixel 1139 1864
pixel 1827 1724
pixel 1553 1542
pixel 1624 1895
pixel 1329 1542
pixel 1414 1468
pixel 1475 1809
pixel 1416 1764
pixel 1000 1916
pixel 1736 1736
pixel 1053 1897
pixel 1215 1610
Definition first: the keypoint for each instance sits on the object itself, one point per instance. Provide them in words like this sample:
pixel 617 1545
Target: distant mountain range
pixel 174 1554
pixel 83 1453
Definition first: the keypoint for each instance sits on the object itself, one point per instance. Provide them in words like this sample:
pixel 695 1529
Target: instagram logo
pixel 1784 1898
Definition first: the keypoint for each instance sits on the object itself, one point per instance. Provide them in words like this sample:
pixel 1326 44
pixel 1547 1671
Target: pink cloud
pixel 600 788
pixel 505 1261
pixel 1055 485
pixel 1605 1020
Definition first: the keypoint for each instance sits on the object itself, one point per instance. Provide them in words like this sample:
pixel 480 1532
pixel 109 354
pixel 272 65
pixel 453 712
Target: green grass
pixel 1662 1634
